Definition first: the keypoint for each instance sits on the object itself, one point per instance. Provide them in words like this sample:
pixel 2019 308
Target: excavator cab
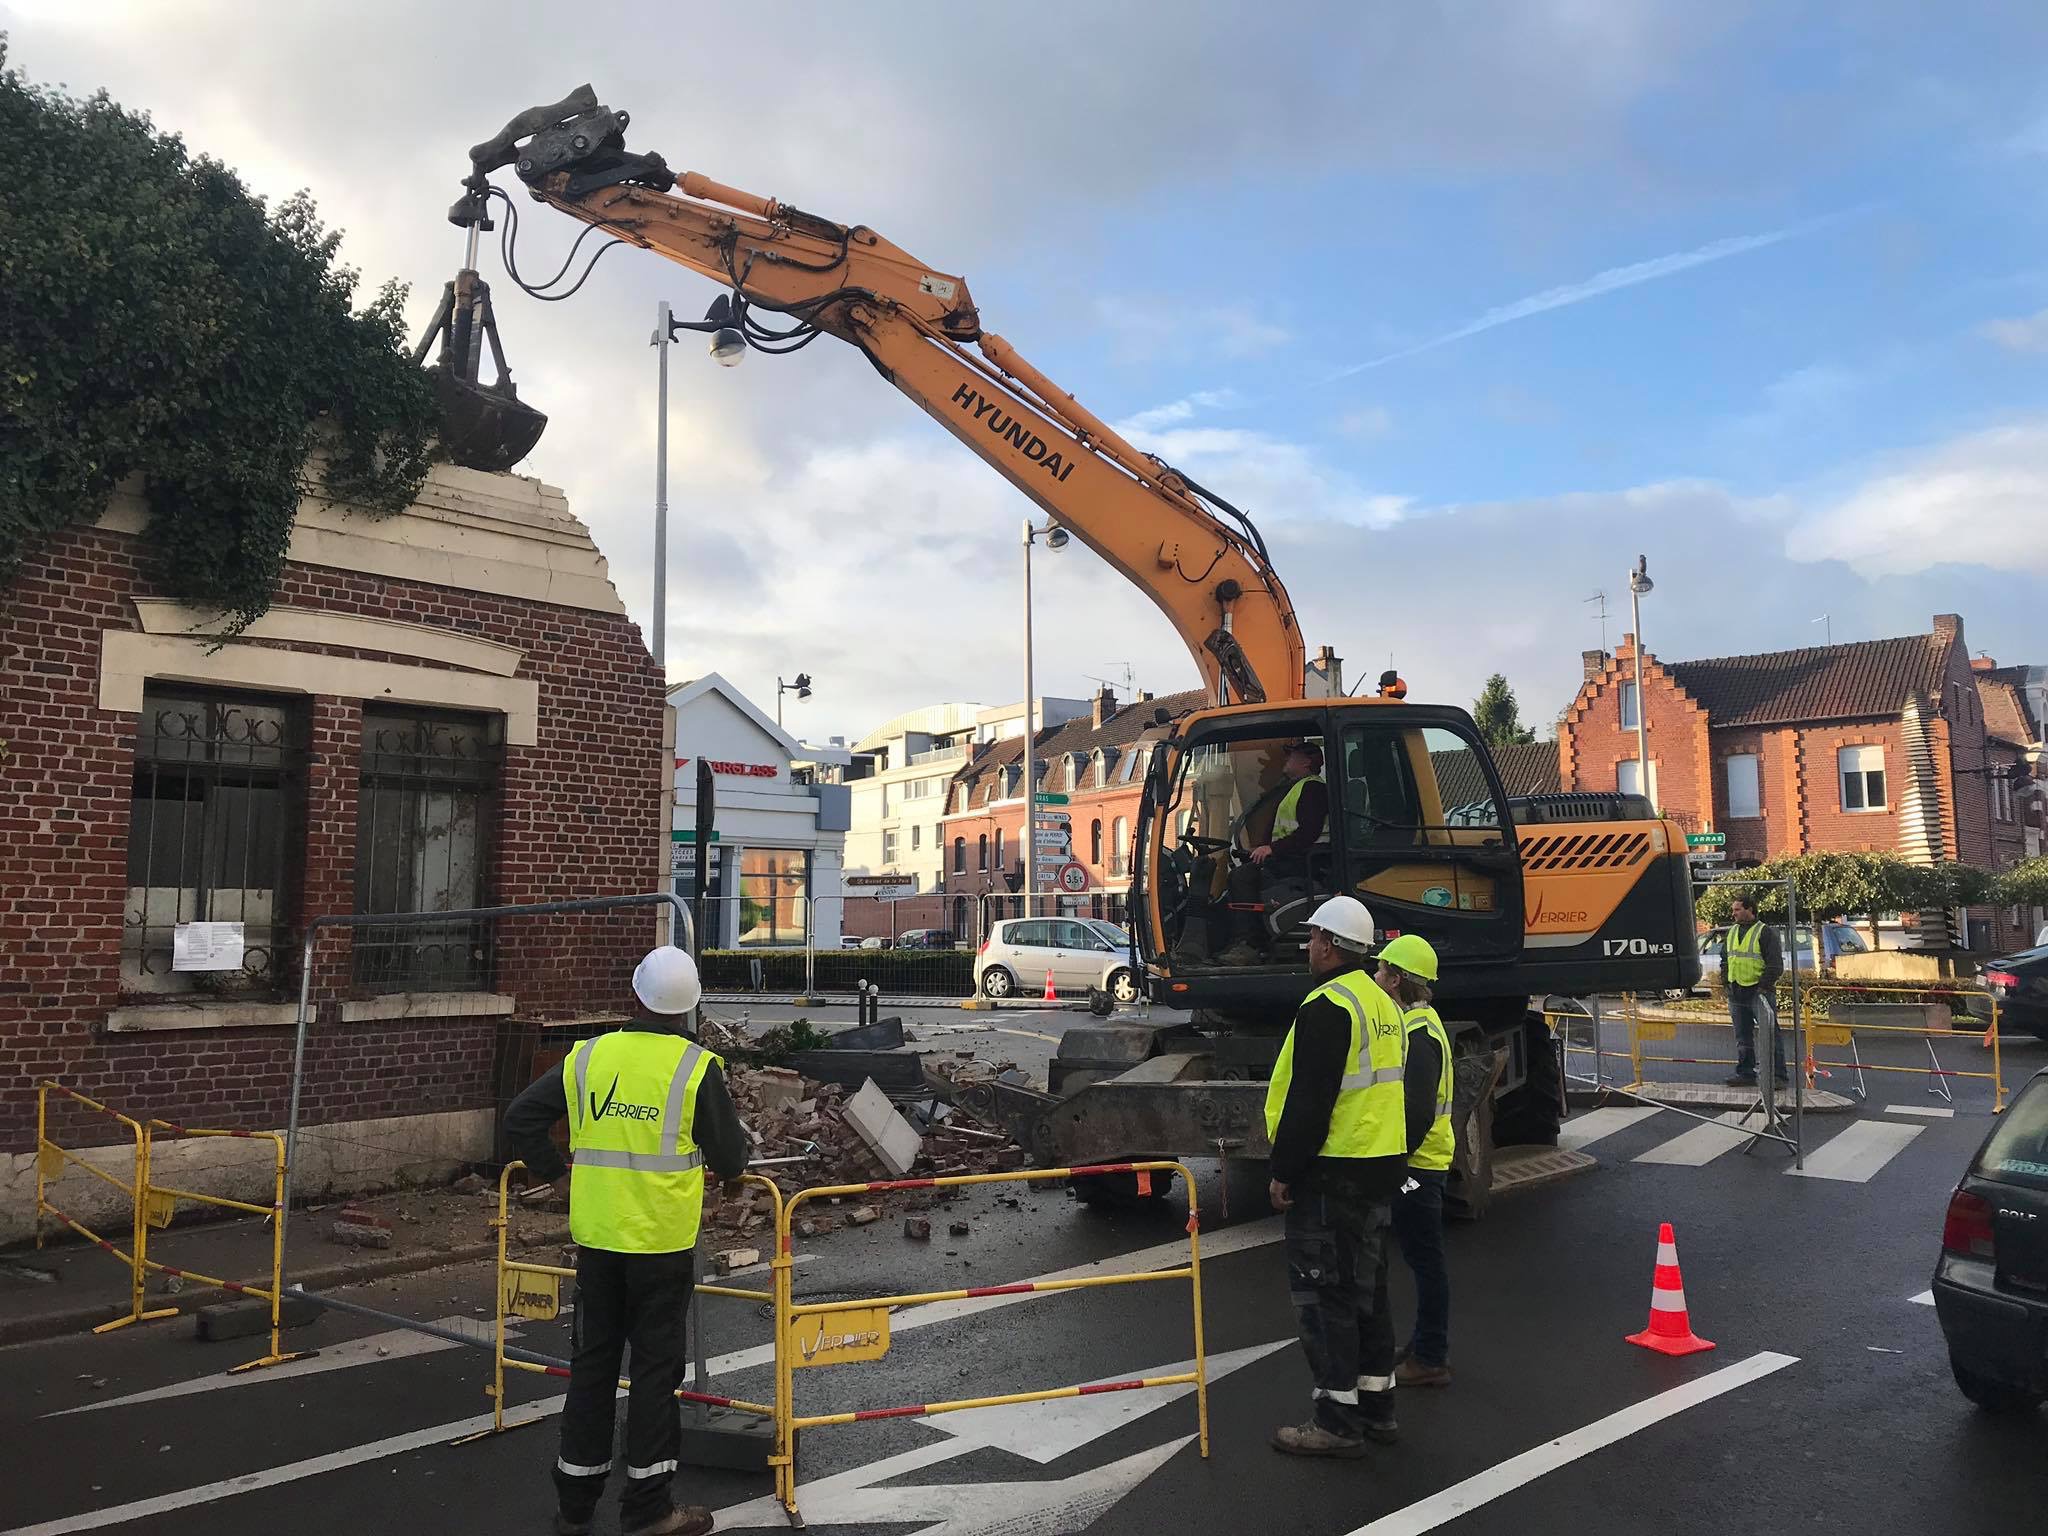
pixel 1255 814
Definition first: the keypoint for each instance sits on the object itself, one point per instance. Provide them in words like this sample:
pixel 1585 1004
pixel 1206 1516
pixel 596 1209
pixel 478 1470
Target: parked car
pixel 1020 950
pixel 1109 931
pixel 1712 945
pixel 1991 1282
pixel 2020 984
pixel 877 942
pixel 927 938
pixel 850 941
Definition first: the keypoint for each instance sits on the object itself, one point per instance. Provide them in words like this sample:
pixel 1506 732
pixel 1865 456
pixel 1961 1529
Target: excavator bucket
pixel 483 426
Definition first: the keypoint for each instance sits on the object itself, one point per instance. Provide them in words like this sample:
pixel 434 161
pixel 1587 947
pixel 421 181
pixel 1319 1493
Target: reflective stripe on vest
pixel 636 1182
pixel 1440 1146
pixel 1287 819
pixel 1369 1119
pixel 1745 963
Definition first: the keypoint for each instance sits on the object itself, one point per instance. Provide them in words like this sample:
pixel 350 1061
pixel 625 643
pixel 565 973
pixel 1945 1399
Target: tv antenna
pixel 1600 597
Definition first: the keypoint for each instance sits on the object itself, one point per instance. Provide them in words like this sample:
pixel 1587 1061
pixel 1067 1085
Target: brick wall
pixel 581 815
pixel 1592 742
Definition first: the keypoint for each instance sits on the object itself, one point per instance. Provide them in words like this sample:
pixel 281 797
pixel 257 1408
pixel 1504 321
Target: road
pixel 1827 1405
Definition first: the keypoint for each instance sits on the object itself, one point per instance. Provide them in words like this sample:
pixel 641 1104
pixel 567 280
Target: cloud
pixel 1366 422
pixel 1568 294
pixel 1144 330
pixel 1183 409
pixel 1272 479
pixel 1975 500
pixel 2026 333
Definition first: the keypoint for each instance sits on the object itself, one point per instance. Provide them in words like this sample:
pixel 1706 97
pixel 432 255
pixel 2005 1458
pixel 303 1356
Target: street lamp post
pixel 1638 583
pixel 801 688
pixel 663 335
pixel 1055 538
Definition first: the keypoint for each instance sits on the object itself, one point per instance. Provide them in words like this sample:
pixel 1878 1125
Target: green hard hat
pixel 1411 952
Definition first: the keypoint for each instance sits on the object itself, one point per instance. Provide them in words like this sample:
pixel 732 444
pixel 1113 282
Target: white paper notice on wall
pixel 207 947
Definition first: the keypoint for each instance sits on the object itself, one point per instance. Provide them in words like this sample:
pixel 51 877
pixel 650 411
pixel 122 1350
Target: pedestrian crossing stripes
pixel 1846 1152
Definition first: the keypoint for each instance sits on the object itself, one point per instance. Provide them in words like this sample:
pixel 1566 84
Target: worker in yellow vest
pixel 648 1112
pixel 1335 1116
pixel 1750 969
pixel 1301 820
pixel 1407 968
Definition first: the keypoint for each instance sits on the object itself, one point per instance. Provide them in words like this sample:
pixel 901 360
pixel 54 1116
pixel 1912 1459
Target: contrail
pixel 1577 293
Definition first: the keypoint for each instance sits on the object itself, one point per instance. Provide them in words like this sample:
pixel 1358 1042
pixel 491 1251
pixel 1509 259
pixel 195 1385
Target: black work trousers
pixel 622 1298
pixel 1337 1238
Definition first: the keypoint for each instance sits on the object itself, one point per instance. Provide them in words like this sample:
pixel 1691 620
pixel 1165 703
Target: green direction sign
pixel 689 835
pixel 1047 797
pixel 1706 839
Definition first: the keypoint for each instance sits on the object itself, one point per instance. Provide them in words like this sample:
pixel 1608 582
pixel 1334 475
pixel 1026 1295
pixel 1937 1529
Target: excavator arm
pixel 919 327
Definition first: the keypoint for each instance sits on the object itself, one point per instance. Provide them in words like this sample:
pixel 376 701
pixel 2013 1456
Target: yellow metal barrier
pixel 1825 1031
pixel 160 1202
pixel 863 1332
pixel 534 1291
pixel 50 1163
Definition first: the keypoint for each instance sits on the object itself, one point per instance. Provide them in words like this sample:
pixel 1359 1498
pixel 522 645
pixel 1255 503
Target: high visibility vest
pixel 1745 961
pixel 1287 820
pixel 1369 1119
pixel 1441 1144
pixel 636 1179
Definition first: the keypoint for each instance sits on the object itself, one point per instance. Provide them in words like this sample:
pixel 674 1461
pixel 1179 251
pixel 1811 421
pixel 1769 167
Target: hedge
pixel 915 972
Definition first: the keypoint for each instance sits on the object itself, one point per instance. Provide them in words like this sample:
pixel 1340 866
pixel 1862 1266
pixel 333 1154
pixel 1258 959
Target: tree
pixel 1866 885
pixel 1499 716
pixel 160 320
pixel 2023 885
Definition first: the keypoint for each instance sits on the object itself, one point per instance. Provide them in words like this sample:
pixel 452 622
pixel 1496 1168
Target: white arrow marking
pixel 374 1349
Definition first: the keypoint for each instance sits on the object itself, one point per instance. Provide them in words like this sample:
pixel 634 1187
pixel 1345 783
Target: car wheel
pixel 1123 986
pixel 1993 1396
pixel 997 982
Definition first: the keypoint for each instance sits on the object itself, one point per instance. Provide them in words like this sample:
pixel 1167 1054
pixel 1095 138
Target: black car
pixel 2020 984
pixel 1991 1285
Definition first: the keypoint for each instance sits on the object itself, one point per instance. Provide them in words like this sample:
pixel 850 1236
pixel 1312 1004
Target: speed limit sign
pixel 1073 878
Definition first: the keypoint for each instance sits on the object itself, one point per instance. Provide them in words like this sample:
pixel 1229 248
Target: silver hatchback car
pixel 1020 951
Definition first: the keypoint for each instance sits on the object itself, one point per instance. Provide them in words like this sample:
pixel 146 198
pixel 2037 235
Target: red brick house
pixel 446 708
pixel 1098 761
pixel 1877 744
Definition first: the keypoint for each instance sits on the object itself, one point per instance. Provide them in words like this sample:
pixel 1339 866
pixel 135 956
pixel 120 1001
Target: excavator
pixel 1524 897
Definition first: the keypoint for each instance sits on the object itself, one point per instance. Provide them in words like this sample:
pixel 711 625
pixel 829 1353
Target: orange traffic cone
pixel 1050 995
pixel 1670 1330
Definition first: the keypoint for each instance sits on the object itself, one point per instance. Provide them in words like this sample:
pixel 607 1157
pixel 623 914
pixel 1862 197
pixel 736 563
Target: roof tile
pixel 1831 682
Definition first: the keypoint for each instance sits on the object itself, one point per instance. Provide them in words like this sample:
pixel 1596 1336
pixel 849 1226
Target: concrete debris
pixel 866 1215
pixel 959 1229
pixel 471 1184
pixel 917 1228
pixel 358 1227
pixel 893 1140
pixel 776 1086
pixel 737 1258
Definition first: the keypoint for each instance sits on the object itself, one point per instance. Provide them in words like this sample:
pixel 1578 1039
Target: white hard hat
pixel 666 981
pixel 1346 920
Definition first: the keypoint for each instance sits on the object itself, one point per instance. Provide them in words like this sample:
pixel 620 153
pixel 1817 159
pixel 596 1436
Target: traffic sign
pixel 1048 797
pixel 1074 878
pixel 1707 855
pixel 1706 839
pixel 1050 837
pixel 1053 819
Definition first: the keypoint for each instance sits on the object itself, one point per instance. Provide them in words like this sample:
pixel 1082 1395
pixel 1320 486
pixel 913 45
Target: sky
pixel 1467 304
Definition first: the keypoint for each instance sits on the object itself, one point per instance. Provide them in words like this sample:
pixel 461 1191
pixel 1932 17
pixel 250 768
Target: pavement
pixel 1826 1405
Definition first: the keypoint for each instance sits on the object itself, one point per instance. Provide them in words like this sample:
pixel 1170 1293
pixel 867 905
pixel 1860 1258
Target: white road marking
pixel 1924 1299
pixel 1484 1487
pixel 1855 1155
pixel 1931 1111
pixel 1707 1141
pixel 1582 1131
pixel 1238 1239
pixel 375 1349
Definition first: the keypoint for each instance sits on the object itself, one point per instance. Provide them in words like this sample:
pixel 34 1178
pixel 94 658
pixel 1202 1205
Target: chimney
pixel 1983 664
pixel 1144 696
pixel 1592 664
pixel 1105 705
pixel 1949 627
pixel 1325 675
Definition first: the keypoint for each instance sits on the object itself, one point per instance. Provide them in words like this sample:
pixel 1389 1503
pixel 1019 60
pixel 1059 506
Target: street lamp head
pixel 1639 579
pixel 728 346
pixel 803 685
pixel 1056 537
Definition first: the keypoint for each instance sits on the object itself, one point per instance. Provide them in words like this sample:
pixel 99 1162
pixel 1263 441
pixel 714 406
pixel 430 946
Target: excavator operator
pixel 1273 869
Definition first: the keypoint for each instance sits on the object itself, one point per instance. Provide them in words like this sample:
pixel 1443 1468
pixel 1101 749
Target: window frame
pixel 1624 697
pixel 1756 774
pixel 1863 775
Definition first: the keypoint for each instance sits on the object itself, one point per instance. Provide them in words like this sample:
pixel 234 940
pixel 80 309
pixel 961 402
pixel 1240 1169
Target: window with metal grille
pixel 426 818
pixel 217 825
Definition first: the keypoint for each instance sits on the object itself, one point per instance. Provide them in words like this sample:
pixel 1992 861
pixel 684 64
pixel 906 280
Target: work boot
pixel 1413 1373
pixel 1311 1439
pixel 1376 1416
pixel 689 1520
pixel 1739 1081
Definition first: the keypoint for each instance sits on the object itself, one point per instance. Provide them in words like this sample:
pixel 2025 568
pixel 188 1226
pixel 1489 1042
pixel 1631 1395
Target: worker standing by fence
pixel 647 1111
pixel 1754 962
pixel 1407 967
pixel 1336 1119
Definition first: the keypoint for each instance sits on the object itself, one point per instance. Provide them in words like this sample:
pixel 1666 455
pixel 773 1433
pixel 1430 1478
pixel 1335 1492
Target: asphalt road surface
pixel 1827 1405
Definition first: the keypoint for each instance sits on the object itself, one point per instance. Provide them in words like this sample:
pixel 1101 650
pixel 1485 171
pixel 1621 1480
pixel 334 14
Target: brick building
pixel 1878 744
pixel 1098 761
pixel 446 708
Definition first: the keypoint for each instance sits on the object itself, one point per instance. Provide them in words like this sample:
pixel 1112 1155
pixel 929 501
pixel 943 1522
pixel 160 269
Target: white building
pixel 899 777
pixel 778 837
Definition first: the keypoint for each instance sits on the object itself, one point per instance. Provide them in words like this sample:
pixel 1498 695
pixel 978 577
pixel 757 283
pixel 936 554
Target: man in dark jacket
pixel 1751 963
pixel 1301 819
pixel 1342 1118
pixel 650 1112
